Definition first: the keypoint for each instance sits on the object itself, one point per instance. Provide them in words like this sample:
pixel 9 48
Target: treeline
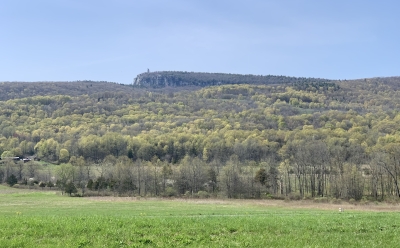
pixel 246 141
pixel 303 168
pixel 16 90
pixel 180 78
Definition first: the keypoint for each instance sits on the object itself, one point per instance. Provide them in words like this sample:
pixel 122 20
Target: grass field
pixel 47 219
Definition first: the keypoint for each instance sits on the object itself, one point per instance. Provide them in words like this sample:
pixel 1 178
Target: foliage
pixel 50 184
pixel 312 137
pixel 11 180
pixel 70 188
pixel 64 155
pixel 179 79
pixel 30 91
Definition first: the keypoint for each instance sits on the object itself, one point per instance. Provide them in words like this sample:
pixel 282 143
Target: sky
pixel 114 40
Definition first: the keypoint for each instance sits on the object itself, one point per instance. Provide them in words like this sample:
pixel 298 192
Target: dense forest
pixel 286 138
pixel 178 79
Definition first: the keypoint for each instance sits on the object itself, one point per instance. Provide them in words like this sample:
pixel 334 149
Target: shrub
pixel 203 194
pixel 353 201
pixel 170 192
pixel 70 188
pixel 50 184
pixel 321 200
pixel 267 196
pixel 365 201
pixel 392 200
pixel 336 201
pixel 287 199
pixel 90 184
pixel 294 196
pixel 11 180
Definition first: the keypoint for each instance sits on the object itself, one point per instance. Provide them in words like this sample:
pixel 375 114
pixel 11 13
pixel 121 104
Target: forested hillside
pixel 179 78
pixel 295 138
pixel 16 90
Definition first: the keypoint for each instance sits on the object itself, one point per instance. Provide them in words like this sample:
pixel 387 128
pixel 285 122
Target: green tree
pixel 7 154
pixel 64 156
pixel 261 176
pixel 70 188
pixel 146 152
pixel 90 184
pixel 12 180
pixel 47 149
pixel 50 184
pixel 65 173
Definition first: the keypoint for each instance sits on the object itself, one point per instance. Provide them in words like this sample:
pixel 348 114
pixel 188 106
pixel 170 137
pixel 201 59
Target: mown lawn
pixel 46 219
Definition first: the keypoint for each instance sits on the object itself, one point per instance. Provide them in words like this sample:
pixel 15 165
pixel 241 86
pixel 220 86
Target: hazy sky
pixel 114 40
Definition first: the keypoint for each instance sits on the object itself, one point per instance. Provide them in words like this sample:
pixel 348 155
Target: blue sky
pixel 114 40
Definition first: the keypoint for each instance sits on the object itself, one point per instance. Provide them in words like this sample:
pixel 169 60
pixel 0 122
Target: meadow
pixel 31 218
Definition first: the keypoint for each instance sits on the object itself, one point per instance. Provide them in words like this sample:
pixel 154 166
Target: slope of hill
pixel 305 138
pixel 14 90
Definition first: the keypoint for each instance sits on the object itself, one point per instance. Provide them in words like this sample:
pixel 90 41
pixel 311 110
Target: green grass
pixel 46 219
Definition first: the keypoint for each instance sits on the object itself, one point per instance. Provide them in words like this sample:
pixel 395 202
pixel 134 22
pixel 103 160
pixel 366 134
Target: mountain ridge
pixel 160 79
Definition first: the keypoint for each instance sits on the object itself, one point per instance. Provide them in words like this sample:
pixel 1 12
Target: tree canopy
pixel 309 137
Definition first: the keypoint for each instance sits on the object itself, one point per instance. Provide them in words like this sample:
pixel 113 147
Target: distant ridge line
pixel 160 79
